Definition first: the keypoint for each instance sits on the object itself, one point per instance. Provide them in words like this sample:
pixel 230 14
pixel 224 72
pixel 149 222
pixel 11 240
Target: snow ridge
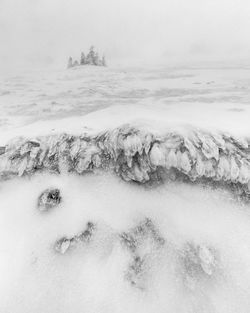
pixel 138 155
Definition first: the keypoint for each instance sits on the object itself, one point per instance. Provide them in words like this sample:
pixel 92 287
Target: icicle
pixel 157 155
pixel 209 168
pixel 209 148
pixel 200 169
pixel 22 166
pixel 234 169
pixel 96 160
pixel 171 159
pixel 223 168
pixel 190 147
pixel 244 173
pixel 148 142
pixel 132 144
pixel 183 161
pixel 75 148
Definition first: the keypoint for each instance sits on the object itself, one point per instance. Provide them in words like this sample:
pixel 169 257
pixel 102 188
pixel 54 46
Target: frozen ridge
pixel 135 154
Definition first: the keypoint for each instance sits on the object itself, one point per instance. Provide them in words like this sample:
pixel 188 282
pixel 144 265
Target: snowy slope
pixel 151 170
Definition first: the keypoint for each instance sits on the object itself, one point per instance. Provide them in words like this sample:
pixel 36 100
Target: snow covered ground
pixel 216 97
pixel 154 193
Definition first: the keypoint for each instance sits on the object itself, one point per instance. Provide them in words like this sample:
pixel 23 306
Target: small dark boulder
pixel 62 245
pixel 49 199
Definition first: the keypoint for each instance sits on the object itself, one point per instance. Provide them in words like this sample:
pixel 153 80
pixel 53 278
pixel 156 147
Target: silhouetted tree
pixel 96 59
pixel 83 59
pixel 91 56
pixel 70 62
pixel 104 61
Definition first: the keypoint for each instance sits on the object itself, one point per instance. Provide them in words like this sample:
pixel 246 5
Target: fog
pixel 46 32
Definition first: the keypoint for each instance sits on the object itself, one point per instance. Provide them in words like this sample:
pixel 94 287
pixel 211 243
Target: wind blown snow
pixel 202 264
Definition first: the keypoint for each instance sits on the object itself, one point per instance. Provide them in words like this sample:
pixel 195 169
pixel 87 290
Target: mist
pixel 45 32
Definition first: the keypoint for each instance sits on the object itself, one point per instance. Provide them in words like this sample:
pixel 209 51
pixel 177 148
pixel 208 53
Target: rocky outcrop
pixel 137 155
pixel 62 245
pixel 49 199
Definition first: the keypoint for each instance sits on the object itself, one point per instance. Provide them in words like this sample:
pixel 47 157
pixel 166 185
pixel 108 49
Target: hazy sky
pixel 47 31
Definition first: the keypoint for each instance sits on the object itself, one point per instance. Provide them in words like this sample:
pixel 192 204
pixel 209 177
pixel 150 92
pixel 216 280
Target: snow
pixel 156 159
pixel 99 98
pixel 92 277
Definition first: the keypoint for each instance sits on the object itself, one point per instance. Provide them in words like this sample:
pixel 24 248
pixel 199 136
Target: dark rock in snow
pixel 146 230
pixel 143 242
pixel 136 271
pixel 63 244
pixel 49 199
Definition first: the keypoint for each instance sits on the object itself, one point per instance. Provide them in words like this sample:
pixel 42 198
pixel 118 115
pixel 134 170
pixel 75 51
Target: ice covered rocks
pixel 136 272
pixel 62 245
pixel 49 199
pixel 135 154
pixel 141 233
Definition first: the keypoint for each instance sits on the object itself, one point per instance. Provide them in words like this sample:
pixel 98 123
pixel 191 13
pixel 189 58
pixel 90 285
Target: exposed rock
pixel 192 155
pixel 62 245
pixel 146 230
pixel 49 199
pixel 136 271
pixel 143 242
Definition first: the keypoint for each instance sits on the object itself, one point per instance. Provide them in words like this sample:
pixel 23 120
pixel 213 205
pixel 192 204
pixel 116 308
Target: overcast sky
pixel 48 31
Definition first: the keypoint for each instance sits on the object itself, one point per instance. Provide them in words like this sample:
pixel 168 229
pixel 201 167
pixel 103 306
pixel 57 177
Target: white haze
pixel 46 32
pixel 91 279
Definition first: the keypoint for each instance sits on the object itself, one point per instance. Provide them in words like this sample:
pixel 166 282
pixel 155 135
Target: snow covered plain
pixel 153 169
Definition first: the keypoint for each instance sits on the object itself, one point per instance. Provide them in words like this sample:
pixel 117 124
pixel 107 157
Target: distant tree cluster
pixel 92 58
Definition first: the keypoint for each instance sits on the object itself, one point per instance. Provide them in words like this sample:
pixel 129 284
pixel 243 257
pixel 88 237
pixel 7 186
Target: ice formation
pixel 135 154
pixel 143 242
pixel 49 199
pixel 63 244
